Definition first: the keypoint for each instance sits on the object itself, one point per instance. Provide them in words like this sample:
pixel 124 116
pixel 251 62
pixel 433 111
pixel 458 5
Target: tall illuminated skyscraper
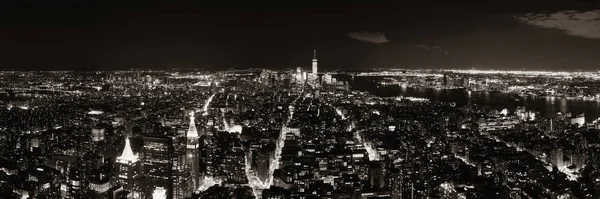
pixel 129 171
pixel 314 63
pixel 164 165
pixel 192 151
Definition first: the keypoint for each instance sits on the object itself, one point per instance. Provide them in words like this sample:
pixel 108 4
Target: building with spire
pixel 192 152
pixel 129 168
pixel 314 73
pixel 314 63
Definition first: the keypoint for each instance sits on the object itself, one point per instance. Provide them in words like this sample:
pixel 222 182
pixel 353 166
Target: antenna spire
pixel 314 54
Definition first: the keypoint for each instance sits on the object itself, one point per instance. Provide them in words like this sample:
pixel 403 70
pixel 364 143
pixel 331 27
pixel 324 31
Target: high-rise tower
pixel 192 151
pixel 164 160
pixel 129 169
pixel 314 63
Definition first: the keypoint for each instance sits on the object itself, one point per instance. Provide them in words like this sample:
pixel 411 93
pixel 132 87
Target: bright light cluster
pixel 208 182
pixel 513 72
pixel 371 151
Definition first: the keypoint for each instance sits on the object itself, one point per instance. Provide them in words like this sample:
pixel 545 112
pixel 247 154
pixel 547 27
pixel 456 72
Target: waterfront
pixel 546 106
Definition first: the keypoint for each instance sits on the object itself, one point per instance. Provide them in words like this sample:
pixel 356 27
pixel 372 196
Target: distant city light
pixel 95 112
pixel 278 134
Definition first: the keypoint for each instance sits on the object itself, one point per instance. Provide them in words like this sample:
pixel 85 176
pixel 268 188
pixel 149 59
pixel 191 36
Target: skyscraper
pixel 445 81
pixel 192 151
pixel 376 175
pixel 164 165
pixel 157 162
pixel 314 63
pixel 298 76
pixel 129 171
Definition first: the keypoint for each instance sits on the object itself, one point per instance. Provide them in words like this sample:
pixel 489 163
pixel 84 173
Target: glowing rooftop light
pixel 192 132
pixel 127 156
pixel 159 193
pixel 504 112
pixel 235 129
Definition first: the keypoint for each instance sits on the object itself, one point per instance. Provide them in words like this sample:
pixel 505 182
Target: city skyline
pixel 300 100
pixel 279 134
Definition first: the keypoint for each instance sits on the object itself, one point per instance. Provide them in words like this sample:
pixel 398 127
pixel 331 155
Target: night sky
pixel 511 34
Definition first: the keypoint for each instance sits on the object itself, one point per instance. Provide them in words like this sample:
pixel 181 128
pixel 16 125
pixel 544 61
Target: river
pixel 546 106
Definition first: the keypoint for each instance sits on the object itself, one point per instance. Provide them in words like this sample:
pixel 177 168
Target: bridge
pixel 239 70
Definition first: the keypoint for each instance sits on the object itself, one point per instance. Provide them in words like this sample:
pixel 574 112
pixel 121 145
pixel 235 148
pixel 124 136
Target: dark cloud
pixel 432 48
pixel 582 24
pixel 371 37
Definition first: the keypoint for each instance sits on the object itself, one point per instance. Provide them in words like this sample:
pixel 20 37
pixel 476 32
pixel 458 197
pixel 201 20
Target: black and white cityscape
pixel 173 101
